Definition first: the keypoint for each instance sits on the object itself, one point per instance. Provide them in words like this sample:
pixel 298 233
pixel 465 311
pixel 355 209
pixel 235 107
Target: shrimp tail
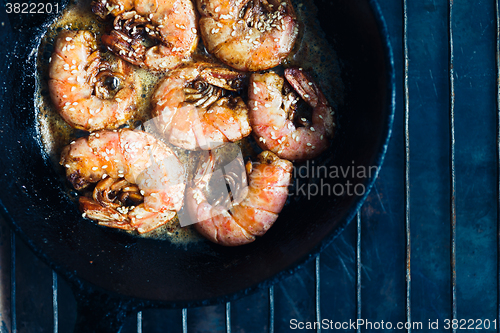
pixel 105 215
pixel 304 85
pixel 100 8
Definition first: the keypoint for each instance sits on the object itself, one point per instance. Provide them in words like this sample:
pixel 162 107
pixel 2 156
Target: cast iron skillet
pixel 113 273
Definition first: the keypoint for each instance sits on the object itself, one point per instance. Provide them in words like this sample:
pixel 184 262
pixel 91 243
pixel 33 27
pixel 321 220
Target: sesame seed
pixel 67 165
pixel 84 215
pixel 313 147
pixel 303 119
pixel 64 96
pixel 104 166
pixel 142 192
pixel 94 168
pixel 320 116
pixel 68 39
pixel 308 144
pixel 267 105
pixel 73 62
pixel 118 100
pixel 193 30
pixel 217 9
pixel 306 95
pixel 73 88
pixel 104 176
pixel 312 129
pixel 321 137
pixel 72 109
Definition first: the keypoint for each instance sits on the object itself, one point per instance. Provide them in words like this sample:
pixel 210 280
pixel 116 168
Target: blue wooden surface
pixel 383 252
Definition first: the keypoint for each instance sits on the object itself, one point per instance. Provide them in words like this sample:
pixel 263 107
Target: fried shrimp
pixel 170 24
pixel 254 214
pixel 273 115
pixel 249 35
pixel 88 92
pixel 193 110
pixel 140 180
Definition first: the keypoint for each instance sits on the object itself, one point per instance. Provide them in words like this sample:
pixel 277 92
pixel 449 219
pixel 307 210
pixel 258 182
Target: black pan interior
pixel 35 201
